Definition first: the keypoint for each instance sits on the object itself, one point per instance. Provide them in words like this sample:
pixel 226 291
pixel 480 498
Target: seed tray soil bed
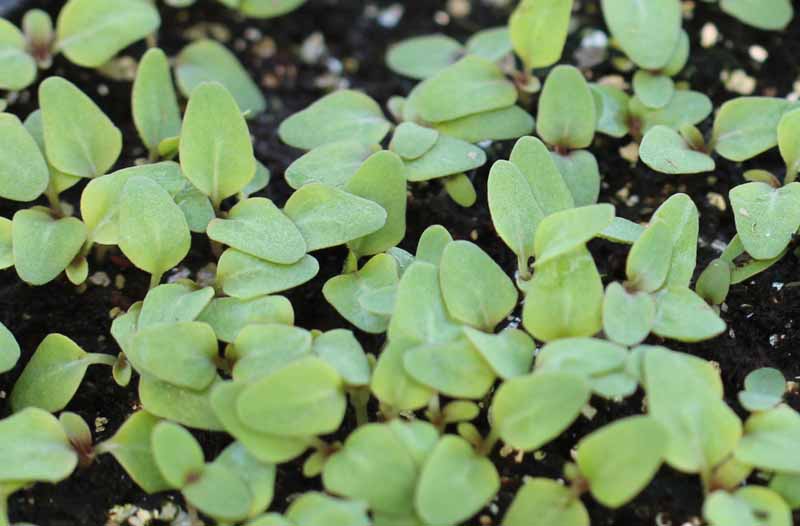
pixel 763 314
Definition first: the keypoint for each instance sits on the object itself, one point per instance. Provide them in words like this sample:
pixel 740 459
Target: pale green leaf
pixel 424 56
pixel 23 170
pixel 747 126
pixel 539 30
pixel 665 151
pixel 44 246
pixel 332 164
pixel 245 277
pixel 627 317
pixel 647 31
pixel 766 217
pixel 567 114
pixel 550 502
pixel 155 106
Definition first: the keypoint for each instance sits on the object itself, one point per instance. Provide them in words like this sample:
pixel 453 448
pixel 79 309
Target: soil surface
pixel 763 314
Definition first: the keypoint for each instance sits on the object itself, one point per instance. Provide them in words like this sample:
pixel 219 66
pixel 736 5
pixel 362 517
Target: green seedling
pixel 9 350
pixel 750 505
pixel 52 376
pixel 263 8
pixel 423 57
pixel 19 67
pixel 229 316
pixel 209 61
pixel 769 15
pixel 36 260
pixel 652 38
pixel 35 448
pixel 154 103
pixel 342 115
pixel 768 436
pixel 763 389
pixel 91 32
pixel 215 147
pixel 747 126
pixel 24 174
pixel 564 507
pixel 539 31
pixel 332 164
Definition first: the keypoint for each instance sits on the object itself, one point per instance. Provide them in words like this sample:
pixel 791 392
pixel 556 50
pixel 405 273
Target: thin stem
pixel 524 268
pixel 54 201
pixel 351 263
pixel 102 359
pixel 155 279
pixel 791 175
pixel 4 521
pixel 489 442
pixel 359 402
pixel 216 248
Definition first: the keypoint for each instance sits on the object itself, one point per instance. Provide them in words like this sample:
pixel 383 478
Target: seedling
pixel 763 389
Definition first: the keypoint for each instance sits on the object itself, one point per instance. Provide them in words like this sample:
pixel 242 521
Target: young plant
pixel 9 350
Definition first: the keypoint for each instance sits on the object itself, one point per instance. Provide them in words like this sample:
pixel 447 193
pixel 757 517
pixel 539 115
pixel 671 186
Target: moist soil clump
pixel 328 44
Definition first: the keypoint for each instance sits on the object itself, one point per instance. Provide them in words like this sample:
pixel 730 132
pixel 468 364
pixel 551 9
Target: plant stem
pixel 216 248
pixel 489 442
pixel 351 263
pixel 524 268
pixel 102 359
pixel 155 279
pixel 54 201
pixel 791 176
pixel 4 521
pixel 359 402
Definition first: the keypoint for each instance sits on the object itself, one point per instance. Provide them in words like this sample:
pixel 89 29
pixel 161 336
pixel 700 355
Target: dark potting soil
pixel 762 313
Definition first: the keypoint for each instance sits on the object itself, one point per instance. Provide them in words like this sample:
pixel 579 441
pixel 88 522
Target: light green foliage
pixel 220 492
pixel 23 171
pixel 685 107
pixel 539 30
pixel 424 56
pixel 173 303
pixel 216 152
pixel 411 141
pixel 509 353
pixel 19 68
pixel 228 316
pixel 763 389
pixel 342 115
pixel 265 8
pixel 303 398
pixel 258 476
pixel 715 282
pixel 79 139
pixel 496 125
pixel 455 482
pixel 654 90
pixel 327 216
pixel 684 395
pixel 612 109
pixel 788 487
pixel 620 459
pixel 209 61
pixel 493 43
pixel 747 126
pixel 789 142
pixel 130 446
pixel 259 181
pixel 627 316
pixel 567 114
pixel 332 164
pixel 665 151
pixel 766 217
pixel 565 298
pixel 153 232
pixel 177 454
pixel 359 469
pixel 420 315
pixel 6 248
pixel 318 509
pixel 246 277
pixel 475 289
pixel 257 227
pixel 392 385
pixel 461 190
pixel 567 230
pixel 524 410
pixel 190 362
pixel 680 214
pixel 679 58
pixel 452 368
pixel 340 349
pixel 44 246
pixel 34 447
pixel 9 350
pixel 449 156
pixel 769 437
pixel 186 406
pixel 750 505
pixel 581 173
pixel 649 259
pixel 600 363
pixel 353 295
pixel 52 376
pixel 768 15
pixel 683 315
pixel 432 243
pixel 648 32
pixel 522 192
pixel 100 199
pixel 155 106
pixel 254 357
pixel 471 85
pixel 550 502
pixel 91 32
pixel 263 446
pixel 380 179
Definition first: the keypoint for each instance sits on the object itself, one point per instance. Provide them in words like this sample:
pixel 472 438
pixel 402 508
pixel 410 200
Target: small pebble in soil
pixel 758 53
pixel 709 35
